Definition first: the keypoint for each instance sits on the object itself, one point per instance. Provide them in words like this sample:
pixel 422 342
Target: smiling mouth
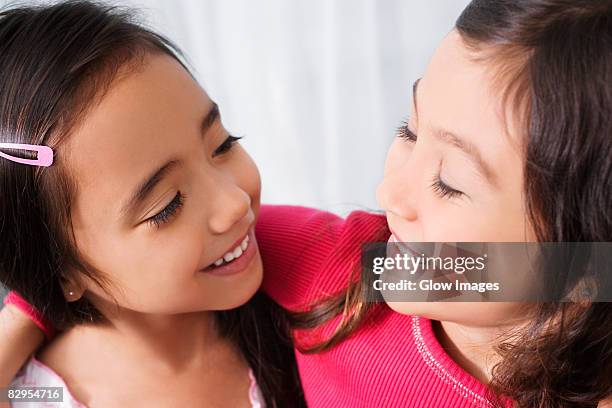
pixel 232 254
pixel 236 260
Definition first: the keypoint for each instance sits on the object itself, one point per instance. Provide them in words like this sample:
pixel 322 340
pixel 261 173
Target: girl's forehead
pixel 137 123
pixel 459 95
pixel 460 88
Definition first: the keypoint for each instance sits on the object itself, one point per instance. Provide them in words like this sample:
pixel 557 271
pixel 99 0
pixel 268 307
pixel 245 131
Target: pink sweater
pixel 392 361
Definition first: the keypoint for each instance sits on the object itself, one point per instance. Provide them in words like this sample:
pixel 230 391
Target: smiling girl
pixel 508 139
pixel 132 228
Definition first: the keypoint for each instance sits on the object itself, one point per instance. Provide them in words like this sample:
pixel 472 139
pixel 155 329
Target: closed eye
pixel 443 190
pixel 169 211
pixel 226 145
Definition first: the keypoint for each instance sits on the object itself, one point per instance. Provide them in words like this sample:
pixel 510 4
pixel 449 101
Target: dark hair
pixel 56 62
pixel 554 60
pixel 564 359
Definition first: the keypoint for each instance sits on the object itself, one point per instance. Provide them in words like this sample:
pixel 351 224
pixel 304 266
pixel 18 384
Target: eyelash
pixel 438 186
pixel 226 145
pixel 404 132
pixel 177 202
pixel 171 209
pixel 443 190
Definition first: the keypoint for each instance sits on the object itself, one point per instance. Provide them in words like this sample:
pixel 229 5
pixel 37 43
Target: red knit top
pixel 393 360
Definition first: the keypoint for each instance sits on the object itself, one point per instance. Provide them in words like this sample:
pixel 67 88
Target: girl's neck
pixel 160 355
pixel 168 344
pixel 175 341
pixel 472 348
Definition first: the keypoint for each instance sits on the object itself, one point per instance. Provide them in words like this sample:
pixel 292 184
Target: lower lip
pixel 237 265
pixel 402 245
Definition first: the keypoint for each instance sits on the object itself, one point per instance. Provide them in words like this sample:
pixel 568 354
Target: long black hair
pixel 56 61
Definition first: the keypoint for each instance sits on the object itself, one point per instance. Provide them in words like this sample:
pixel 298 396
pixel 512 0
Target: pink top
pixel 39 320
pixel 394 360
pixel 36 374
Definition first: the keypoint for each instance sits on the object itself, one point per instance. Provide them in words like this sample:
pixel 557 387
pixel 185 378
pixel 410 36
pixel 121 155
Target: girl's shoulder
pixel 36 374
pixel 309 254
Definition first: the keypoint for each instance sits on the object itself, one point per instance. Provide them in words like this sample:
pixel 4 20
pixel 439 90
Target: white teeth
pixel 235 253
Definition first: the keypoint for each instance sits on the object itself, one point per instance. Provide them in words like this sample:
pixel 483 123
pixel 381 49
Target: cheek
pixel 147 272
pixel 137 267
pixel 501 218
pixel 451 224
pixel 444 222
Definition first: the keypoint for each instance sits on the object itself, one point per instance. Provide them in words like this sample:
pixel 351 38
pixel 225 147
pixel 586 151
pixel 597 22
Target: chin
pixel 422 309
pixel 401 307
pixel 242 290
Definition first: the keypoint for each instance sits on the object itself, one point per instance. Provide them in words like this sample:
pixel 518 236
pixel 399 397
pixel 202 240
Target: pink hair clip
pixel 44 155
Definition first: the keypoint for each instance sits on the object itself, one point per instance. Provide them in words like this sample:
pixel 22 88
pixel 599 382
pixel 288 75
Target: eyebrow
pixel 146 187
pixel 467 147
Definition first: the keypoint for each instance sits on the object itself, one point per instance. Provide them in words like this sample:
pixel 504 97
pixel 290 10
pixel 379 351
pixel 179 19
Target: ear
pixel 72 289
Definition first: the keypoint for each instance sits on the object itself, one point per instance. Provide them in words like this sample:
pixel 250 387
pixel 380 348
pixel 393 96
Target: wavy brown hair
pixel 554 59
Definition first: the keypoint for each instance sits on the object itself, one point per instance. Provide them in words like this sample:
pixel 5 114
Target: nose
pixel 231 206
pixel 397 194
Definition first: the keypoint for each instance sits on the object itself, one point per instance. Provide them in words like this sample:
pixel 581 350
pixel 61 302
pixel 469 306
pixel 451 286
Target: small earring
pixel 71 293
